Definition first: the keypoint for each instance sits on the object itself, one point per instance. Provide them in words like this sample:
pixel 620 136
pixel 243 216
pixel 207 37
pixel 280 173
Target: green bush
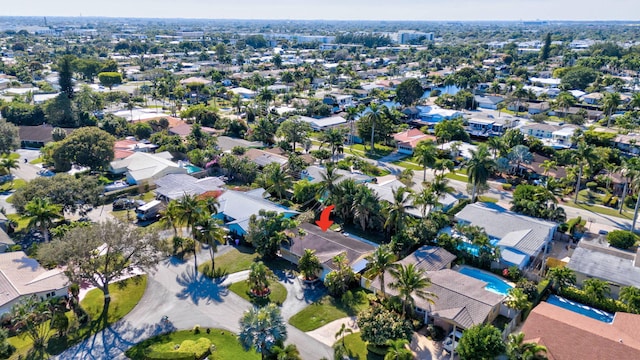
pixel 573 225
pixel 613 202
pixel 608 305
pixel 199 348
pixel 459 206
pixel 173 355
pixel 507 187
pixel 592 185
pixel 378 350
pixel 621 239
pixel 630 201
pixel 606 199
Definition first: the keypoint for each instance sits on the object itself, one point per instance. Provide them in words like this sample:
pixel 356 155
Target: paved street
pixel 189 299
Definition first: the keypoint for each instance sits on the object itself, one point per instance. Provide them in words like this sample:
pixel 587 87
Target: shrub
pixel 573 225
pixel 592 185
pixel 613 202
pixel 608 305
pixel 621 239
pixel 507 187
pixel 606 199
pixel 459 206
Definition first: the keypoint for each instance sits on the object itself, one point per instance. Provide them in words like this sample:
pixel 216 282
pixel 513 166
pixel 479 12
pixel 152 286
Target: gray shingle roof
pixel 239 206
pixel 429 258
pixel 174 186
pixel 520 232
pixel 606 263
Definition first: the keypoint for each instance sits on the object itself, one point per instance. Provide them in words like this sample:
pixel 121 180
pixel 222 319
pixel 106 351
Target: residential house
pixel 541 131
pixel 326 245
pixel 324 123
pixel 5 241
pixel 592 98
pixel 629 143
pixel 538 108
pixel 195 80
pixel 176 186
pixel 521 239
pixel 236 207
pixel 263 158
pixel 488 102
pixel 244 92
pixel 22 277
pixel 338 102
pixel 459 149
pixel 385 190
pixel 568 335
pixel 561 138
pixel 435 114
pixel 618 268
pixel 314 175
pixel 184 129
pixel 461 301
pixel 141 167
pixel 551 135
pixel 225 143
pixel 37 136
pixel 481 126
pixel 406 141
pixel 128 146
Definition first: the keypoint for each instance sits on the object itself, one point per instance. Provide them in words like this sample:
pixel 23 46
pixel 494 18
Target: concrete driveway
pixel 189 299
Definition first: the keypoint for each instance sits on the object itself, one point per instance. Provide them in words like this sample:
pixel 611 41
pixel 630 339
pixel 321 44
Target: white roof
pixel 239 206
pixel 21 275
pixel 546 81
pixel 241 90
pixel 324 122
pixel 142 165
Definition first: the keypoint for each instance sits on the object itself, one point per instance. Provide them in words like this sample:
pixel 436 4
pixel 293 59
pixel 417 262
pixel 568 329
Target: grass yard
pixel 38 160
pixel 278 293
pixel 407 165
pixel 456 176
pixel 226 344
pixel 487 199
pixel 234 260
pixel 124 297
pixel 325 311
pixel 12 185
pixel 357 348
pixel 599 209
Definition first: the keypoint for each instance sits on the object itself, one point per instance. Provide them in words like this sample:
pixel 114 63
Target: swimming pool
pixel 474 249
pixel 494 283
pixel 192 169
pixel 580 309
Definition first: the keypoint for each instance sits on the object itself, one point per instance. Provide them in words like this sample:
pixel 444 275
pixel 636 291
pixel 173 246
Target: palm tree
pixel 583 154
pixel 596 289
pixel 402 200
pixel 209 231
pixel 547 166
pixel 411 281
pixel 635 101
pixel 7 163
pixel 440 186
pixel 425 199
pixel 630 295
pixel 517 349
pixel 259 277
pixel 309 264
pixel 564 101
pixel 520 154
pixel 365 206
pixel 479 168
pixel 561 277
pixel 328 182
pixel 342 333
pixel 343 198
pixel 374 116
pixel 635 185
pixel 191 211
pixel 630 170
pixel 41 213
pixel 517 299
pixel 610 103
pixel 335 139
pixel 405 177
pixel 496 144
pixel 289 352
pixel 426 152
pixel 397 350
pixel 170 217
pixel 278 180
pixel 380 261
pixel 265 95
pixel 262 328
pixel 519 93
pixel 236 102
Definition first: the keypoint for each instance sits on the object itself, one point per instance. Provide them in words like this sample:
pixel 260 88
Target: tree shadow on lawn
pixel 197 286
pixel 311 292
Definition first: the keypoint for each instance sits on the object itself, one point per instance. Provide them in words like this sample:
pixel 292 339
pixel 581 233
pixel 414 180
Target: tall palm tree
pixel 279 181
pixel 547 166
pixel 7 163
pixel 411 281
pixel 425 199
pixel 365 206
pixel 328 181
pixel 610 103
pixel 374 116
pixel 191 211
pixel 402 201
pixel 517 349
pixel 344 195
pixel 630 170
pixel 519 93
pixel 171 217
pixel 427 153
pixel 635 101
pixel 262 328
pixel 496 144
pixel 564 101
pixel 440 186
pixel 209 231
pixel 397 350
pixel 335 139
pixel 561 277
pixel 635 186
pixel 582 155
pixel 41 213
pixel 309 264
pixel 259 277
pixel 380 261
pixel 479 168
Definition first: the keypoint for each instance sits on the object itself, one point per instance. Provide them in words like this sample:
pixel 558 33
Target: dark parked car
pixel 124 204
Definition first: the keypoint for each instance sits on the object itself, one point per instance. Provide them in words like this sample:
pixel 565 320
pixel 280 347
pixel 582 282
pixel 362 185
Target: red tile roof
pixel 412 137
pixel 568 335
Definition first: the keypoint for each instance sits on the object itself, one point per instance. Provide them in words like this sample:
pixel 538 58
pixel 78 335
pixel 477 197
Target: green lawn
pixel 325 311
pixel 357 348
pixel 38 160
pixel 234 260
pixel 487 199
pixel 456 176
pixel 14 156
pixel 124 297
pixel 226 343
pixel 278 293
pixel 407 165
pixel 12 185
pixel 599 209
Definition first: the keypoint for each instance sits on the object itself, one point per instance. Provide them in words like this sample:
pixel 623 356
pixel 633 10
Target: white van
pixel 451 342
pixel 149 210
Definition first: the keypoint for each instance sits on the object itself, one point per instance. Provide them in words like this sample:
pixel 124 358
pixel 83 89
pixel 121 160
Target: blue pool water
pixel 473 249
pixel 192 169
pixel 580 309
pixel 494 283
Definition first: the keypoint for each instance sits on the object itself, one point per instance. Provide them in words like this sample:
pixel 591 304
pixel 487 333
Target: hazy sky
pixel 334 9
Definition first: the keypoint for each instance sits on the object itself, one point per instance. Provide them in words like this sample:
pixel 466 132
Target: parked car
pixel 124 204
pixel 451 342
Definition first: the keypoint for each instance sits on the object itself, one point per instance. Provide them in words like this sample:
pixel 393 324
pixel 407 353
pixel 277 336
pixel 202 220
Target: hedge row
pixel 608 305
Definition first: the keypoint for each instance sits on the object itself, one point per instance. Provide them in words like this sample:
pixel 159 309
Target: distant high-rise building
pixel 407 36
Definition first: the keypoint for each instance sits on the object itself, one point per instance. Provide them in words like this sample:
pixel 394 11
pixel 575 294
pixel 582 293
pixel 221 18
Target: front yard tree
pixel 518 349
pixel 41 213
pixel 294 131
pixel 481 342
pixel 409 91
pixel 259 277
pixel 479 168
pixel 427 154
pixel 109 79
pixel 32 316
pixel 381 261
pixel 89 146
pixel 411 281
pixel 309 264
pixel 267 232
pixel 73 194
pixel 9 138
pixel 262 328
pixel 102 253
pixel 378 325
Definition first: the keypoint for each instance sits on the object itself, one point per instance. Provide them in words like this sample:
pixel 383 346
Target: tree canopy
pixel 89 146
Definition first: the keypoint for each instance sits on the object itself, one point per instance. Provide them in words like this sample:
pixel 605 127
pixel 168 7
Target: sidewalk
pixel 327 334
